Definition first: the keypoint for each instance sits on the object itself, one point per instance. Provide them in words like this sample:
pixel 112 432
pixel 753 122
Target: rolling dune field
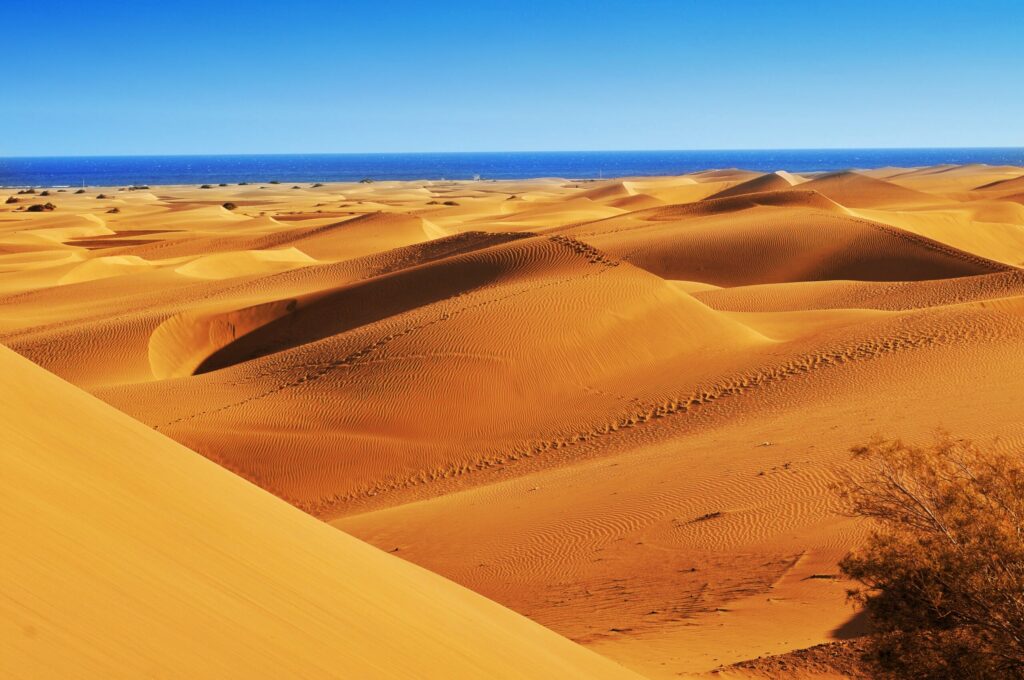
pixel 615 409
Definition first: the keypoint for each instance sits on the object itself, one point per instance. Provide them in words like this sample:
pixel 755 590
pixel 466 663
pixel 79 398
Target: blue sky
pixel 272 77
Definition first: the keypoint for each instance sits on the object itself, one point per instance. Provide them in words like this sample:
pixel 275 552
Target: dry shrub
pixel 943 572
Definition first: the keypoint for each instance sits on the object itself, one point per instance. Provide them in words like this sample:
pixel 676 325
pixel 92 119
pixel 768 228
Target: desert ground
pixel 587 428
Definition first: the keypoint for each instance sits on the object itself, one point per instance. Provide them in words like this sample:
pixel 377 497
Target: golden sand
pixel 614 407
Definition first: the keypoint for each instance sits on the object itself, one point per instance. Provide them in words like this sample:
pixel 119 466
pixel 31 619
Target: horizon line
pixel 521 151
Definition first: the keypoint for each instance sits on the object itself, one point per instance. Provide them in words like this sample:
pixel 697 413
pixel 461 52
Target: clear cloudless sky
pixel 103 78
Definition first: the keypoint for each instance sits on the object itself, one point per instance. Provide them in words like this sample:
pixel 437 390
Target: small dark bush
pixel 450 203
pixel 206 186
pixel 230 206
pixel 44 193
pixel 274 181
pixel 366 180
pixel 40 207
pixel 318 184
pixel 296 187
pixel 101 196
pixel 80 191
pixel 11 199
pixel 222 184
pixel 27 191
pixel 114 210
pixel 243 184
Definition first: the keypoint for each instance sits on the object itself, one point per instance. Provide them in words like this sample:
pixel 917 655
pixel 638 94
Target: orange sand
pixel 614 407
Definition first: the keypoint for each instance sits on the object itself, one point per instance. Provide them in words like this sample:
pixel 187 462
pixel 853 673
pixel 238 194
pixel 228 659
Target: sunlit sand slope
pixel 129 556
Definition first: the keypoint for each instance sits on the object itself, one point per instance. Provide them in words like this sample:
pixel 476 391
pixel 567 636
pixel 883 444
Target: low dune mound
pixel 610 191
pixel 197 217
pixel 137 557
pixel 722 174
pixel 636 202
pixel 1013 185
pixel 560 212
pixel 66 227
pixel 365 235
pixel 773 181
pixel 245 263
pixel 773 244
pixel 105 267
pixel 886 295
pixel 712 206
pixel 855 190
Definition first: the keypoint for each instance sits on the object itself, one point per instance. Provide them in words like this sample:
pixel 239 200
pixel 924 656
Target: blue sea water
pixel 291 168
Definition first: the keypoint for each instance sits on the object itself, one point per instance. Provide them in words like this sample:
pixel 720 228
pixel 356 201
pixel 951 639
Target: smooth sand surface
pixel 614 407
pixel 129 556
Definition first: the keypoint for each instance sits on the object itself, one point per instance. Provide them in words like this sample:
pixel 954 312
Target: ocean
pixel 291 168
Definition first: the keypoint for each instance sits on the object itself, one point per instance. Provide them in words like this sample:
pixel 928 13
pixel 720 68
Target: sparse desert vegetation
pixel 943 572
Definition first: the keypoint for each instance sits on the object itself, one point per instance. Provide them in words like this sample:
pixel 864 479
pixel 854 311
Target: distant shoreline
pixel 114 171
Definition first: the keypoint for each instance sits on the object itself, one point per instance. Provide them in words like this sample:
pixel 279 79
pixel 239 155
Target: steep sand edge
pixel 132 556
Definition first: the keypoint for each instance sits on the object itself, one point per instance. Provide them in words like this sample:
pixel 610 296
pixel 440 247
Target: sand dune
pixel 613 407
pixel 801 243
pixel 1013 185
pixel 855 190
pixel 773 181
pixel 138 557
pixel 369 359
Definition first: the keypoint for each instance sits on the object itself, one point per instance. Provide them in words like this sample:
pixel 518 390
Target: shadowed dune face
pixel 614 407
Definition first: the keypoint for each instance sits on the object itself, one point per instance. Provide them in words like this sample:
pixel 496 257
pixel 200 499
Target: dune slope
pixel 130 556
